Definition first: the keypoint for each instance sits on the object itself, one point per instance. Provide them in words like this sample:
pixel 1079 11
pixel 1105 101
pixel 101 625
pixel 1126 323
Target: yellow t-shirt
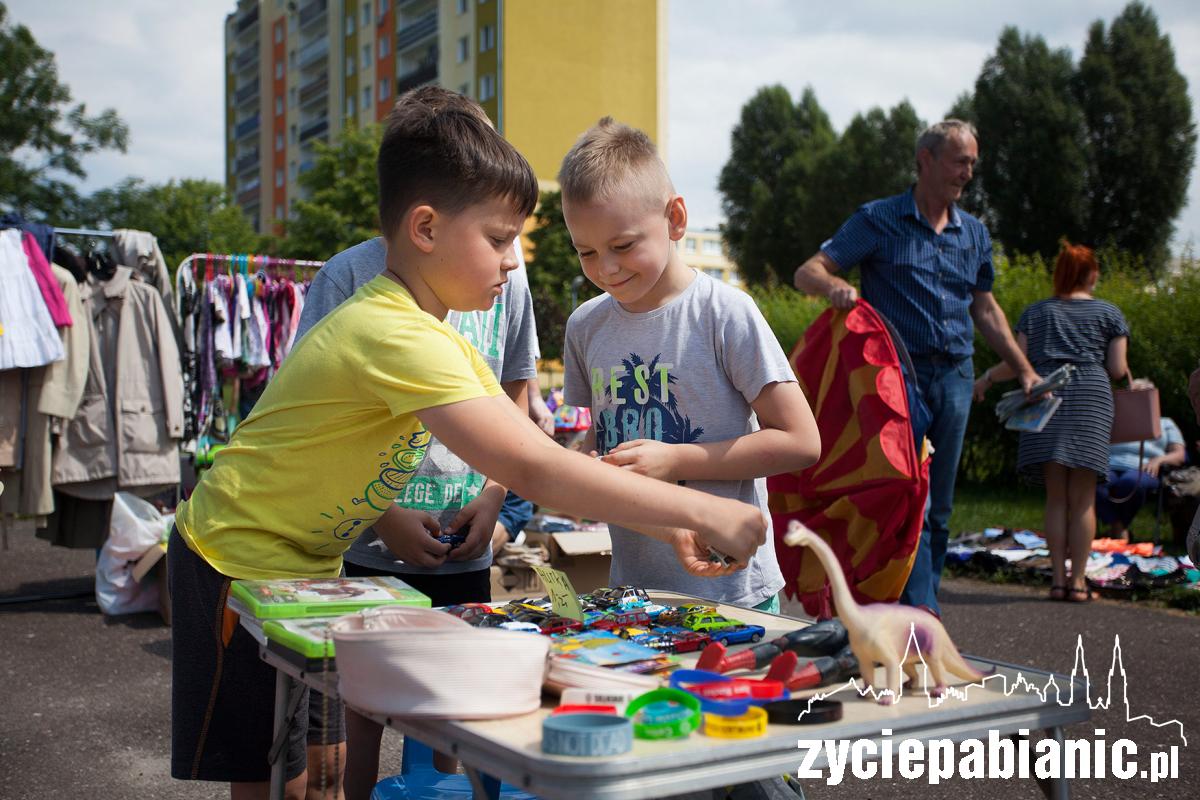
pixel 333 440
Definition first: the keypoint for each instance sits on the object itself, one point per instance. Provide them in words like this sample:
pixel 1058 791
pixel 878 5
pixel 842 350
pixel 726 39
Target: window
pixel 366 14
pixel 487 38
pixel 366 56
pixel 278 142
pixel 487 87
pixel 350 106
pixel 349 65
pixel 293 169
pixel 689 245
pixel 464 47
pixel 292 60
pixel 278 34
pixel 278 178
pixel 349 24
pixel 465 89
pixel 294 135
pixel 279 211
pixel 278 106
pixel 366 98
pixel 278 70
pixel 715 272
pixel 383 47
pixel 462 6
pixel 711 247
pixel 385 89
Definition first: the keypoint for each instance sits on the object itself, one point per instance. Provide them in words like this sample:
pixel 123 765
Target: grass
pixel 977 507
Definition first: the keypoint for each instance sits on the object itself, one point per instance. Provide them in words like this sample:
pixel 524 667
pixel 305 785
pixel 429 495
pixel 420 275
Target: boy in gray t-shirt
pixel 684 379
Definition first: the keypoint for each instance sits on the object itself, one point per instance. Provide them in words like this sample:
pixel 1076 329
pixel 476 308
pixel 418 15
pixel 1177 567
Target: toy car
pixel 742 633
pixel 524 627
pixel 687 641
pixel 709 622
pixel 629 597
pixel 455 540
pixel 552 625
pixel 470 613
pixel 493 620
pixel 676 615
pixel 623 619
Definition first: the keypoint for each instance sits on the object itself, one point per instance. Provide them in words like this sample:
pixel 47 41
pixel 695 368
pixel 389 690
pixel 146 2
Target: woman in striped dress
pixel 1070 454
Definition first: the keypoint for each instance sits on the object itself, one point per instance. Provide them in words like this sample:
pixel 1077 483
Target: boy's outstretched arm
pixel 494 438
pixel 788 441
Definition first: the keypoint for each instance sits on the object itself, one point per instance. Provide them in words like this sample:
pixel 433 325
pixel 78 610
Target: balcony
pixel 245 93
pixel 246 21
pixel 246 162
pixel 314 52
pixel 312 12
pixel 423 74
pixel 248 195
pixel 417 30
pixel 247 57
pixel 246 127
pixel 315 128
pixel 316 88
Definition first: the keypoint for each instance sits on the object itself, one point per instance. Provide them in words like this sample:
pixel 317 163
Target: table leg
pixel 281 708
pixel 485 787
pixel 1057 788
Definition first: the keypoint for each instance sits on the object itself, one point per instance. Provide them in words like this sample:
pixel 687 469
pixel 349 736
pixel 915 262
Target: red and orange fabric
pixel 866 495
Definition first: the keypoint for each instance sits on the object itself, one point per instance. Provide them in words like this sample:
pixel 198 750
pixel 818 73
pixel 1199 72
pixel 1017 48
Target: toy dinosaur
pixel 880 632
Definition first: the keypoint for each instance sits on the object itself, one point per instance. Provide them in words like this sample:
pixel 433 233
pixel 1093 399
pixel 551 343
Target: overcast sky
pixel 160 65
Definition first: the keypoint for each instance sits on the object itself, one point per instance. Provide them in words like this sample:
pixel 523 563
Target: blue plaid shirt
pixel 924 282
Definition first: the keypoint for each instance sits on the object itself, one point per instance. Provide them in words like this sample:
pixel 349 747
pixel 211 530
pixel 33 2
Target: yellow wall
pixel 566 63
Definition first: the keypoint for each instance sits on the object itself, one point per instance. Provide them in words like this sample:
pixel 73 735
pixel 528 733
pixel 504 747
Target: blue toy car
pixel 743 633
pixel 452 539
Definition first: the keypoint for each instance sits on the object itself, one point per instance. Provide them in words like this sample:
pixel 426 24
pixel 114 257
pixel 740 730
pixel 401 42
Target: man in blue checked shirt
pixel 927 267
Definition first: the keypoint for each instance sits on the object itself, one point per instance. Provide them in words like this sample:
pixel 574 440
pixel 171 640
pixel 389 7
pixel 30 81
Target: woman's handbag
pixel 1136 418
pixel 1136 415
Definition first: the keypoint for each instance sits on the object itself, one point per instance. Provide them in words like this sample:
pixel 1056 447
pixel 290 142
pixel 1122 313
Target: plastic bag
pixel 135 527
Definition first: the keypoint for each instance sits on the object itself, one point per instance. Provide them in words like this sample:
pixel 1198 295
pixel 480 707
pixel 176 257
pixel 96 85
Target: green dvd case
pixel 321 597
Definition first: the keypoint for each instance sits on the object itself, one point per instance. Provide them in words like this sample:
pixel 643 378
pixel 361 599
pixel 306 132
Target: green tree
pixel 874 157
pixel 776 146
pixel 553 270
pixel 341 208
pixel 1032 146
pixel 1140 133
pixel 187 216
pixel 43 138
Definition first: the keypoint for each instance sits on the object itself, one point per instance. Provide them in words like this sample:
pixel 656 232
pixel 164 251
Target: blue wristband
pixel 587 735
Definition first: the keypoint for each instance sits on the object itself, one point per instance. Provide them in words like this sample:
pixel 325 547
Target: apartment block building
pixel 704 249
pixel 299 71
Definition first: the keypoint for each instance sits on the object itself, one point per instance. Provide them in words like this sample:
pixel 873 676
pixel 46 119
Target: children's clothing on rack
pixel 28 336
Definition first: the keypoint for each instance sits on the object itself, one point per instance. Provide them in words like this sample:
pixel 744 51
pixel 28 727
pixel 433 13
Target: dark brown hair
pixel 439 148
pixel 1075 266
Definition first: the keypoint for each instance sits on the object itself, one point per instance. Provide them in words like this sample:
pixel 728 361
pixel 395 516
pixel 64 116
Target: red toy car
pixel 688 641
pixel 623 619
pixel 470 613
pixel 552 625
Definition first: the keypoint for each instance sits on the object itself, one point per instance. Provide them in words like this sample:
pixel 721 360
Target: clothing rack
pixel 250 260
pixel 84 232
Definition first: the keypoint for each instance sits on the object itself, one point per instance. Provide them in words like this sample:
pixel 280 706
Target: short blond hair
pixel 609 157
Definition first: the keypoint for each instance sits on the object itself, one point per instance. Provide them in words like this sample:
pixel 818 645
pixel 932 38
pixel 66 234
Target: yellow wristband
pixel 747 726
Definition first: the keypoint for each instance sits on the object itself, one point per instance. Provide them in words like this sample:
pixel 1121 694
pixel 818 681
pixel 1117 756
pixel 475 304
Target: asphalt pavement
pixel 86 699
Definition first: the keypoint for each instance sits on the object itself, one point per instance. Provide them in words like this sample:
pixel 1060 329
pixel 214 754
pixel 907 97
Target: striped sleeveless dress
pixel 1075 331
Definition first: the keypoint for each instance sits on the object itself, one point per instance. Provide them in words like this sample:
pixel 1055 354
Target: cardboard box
pixel 585 556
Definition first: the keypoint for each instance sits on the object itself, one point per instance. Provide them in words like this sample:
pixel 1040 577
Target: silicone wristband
pixel 803 712
pixel 586 735
pixel 676 729
pixel 748 726
pixel 739 689
pixel 691 679
pixel 662 712
pixel 604 697
pixel 580 708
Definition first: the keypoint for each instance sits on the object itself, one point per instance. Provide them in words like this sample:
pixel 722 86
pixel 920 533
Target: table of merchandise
pixel 510 749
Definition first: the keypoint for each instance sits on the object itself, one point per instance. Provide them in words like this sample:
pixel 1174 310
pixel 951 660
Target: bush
pixel 1164 343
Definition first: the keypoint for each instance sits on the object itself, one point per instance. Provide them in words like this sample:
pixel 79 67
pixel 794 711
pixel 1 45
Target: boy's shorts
pixel 222 693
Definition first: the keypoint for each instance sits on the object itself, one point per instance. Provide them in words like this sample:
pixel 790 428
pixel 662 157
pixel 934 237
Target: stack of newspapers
pixel 1030 413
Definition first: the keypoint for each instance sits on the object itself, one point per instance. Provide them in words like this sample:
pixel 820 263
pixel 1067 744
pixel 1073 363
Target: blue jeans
pixel 1123 483
pixel 515 514
pixel 946 386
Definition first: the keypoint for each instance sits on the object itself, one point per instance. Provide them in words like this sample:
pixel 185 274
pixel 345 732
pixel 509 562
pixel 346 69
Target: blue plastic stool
pixel 420 780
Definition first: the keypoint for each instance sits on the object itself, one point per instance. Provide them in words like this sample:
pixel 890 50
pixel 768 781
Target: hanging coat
pixel 866 494
pixel 131 416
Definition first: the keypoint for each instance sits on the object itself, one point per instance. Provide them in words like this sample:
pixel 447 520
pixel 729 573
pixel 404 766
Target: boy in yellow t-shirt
pixel 344 423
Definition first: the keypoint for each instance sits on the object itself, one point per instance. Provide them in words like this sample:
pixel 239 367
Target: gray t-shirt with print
pixel 505 336
pixel 686 372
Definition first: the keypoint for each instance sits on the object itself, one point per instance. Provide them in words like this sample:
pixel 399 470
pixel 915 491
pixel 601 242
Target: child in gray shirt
pixel 683 376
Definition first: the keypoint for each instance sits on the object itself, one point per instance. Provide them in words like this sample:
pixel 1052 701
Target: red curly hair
pixel 1074 269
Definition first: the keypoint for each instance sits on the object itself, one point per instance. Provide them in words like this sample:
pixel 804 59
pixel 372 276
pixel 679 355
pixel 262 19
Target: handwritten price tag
pixel 563 598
